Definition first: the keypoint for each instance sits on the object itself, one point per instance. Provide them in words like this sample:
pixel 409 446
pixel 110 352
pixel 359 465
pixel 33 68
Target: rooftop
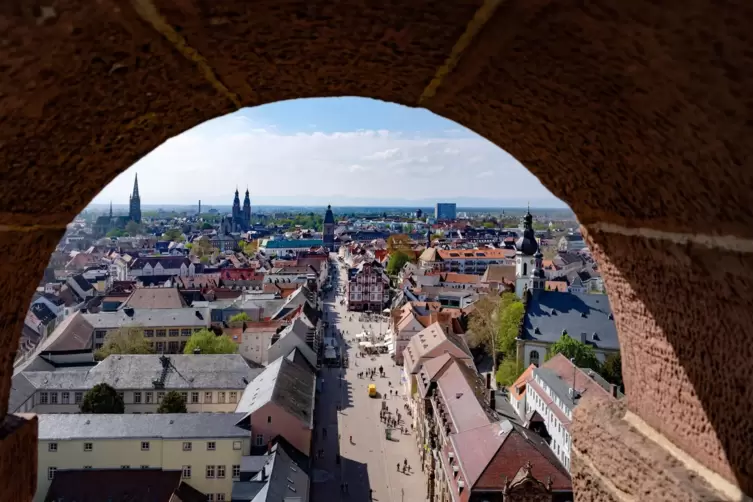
pixel 149 317
pixel 62 427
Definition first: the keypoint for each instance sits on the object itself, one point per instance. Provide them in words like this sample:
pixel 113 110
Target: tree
pixel 408 228
pixel 238 318
pixel 397 260
pixel 483 322
pixel 611 370
pixel 509 371
pixel 202 247
pixel 209 343
pixel 583 354
pixel 126 340
pixel 102 399
pixel 172 234
pixel 172 402
pixel 511 311
pixel 115 232
pixel 206 226
pixel 133 228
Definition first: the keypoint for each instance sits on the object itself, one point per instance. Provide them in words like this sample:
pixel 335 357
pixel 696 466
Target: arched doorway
pixel 635 114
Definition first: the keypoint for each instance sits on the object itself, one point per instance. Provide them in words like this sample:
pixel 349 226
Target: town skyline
pixel 339 149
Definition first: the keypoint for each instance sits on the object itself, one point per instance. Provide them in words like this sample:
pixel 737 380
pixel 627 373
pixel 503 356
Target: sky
pixel 343 151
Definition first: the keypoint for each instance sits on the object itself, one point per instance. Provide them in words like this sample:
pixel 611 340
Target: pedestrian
pixel 346 487
pixel 398 467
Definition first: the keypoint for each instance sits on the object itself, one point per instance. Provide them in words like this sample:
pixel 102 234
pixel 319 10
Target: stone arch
pixel 638 115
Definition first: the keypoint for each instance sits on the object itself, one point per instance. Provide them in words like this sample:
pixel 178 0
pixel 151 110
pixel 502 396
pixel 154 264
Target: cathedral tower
pixel 134 203
pixel 236 218
pixel 246 212
pixel 329 230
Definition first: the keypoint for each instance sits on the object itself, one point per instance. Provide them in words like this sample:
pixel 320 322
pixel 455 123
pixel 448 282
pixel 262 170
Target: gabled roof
pixel 492 454
pixel 286 384
pixel 430 342
pixel 164 261
pixel 499 273
pixel 73 333
pixel 43 312
pixel 155 298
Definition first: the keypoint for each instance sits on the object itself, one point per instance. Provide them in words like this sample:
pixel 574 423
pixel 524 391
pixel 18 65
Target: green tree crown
pixel 209 343
pixel 172 402
pixel 102 399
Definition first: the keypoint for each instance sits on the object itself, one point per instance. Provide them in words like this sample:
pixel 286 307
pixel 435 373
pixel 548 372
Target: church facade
pixel 240 218
pixel 105 224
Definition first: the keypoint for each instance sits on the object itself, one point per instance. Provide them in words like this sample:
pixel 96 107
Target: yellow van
pixel 372 390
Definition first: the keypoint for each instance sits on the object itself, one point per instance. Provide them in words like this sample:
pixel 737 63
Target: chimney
pixel 583 337
pixel 613 390
pixel 488 380
pixel 492 399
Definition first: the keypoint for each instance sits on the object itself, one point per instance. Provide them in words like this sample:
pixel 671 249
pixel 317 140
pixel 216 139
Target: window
pixel 87 467
pixel 208 397
pixel 137 397
pixel 100 334
pixel 51 472
pixel 186 446
pixel 78 397
pixel 259 440
pixel 145 446
pixel 53 398
pixel 210 497
pixel 236 471
pixel 185 332
pixel 88 446
pixel 172 347
pixel 160 396
pixel 149 333
pixel 211 446
pixel 221 471
pixel 184 395
pixel 65 398
pixel 220 497
pixel 148 397
pixel 210 471
pixel 52 447
pixel 186 472
pixel 42 398
pixel 125 466
pixel 194 397
pixel 161 333
pixel 233 397
pixel 160 347
pixel 221 397
pixel 236 445
pixel 173 332
pixel 269 419
pixel 534 357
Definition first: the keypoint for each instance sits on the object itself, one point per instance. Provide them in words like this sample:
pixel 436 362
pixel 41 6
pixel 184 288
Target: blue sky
pixel 347 151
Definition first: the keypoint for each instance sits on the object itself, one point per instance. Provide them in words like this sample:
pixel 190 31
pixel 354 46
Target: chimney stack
pixel 488 380
pixel 492 399
pixel 613 390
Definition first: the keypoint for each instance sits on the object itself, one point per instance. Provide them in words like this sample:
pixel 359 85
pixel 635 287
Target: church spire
pixel 136 186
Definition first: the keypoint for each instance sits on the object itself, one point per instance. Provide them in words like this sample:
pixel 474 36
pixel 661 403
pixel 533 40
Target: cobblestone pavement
pixel 369 460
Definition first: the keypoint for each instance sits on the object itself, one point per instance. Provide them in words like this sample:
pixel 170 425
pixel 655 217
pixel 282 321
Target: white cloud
pixel 208 162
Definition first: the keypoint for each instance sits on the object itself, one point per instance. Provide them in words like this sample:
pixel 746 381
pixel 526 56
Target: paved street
pixel 370 460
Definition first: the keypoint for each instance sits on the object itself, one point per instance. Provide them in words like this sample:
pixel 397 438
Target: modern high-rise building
pixel 445 211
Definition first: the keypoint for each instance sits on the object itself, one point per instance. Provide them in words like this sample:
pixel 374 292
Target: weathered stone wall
pixel 637 114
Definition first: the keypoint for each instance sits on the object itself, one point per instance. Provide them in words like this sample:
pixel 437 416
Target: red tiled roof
pixel 240 274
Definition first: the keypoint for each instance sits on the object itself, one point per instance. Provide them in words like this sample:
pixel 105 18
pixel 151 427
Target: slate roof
pixel 54 299
pixel 195 371
pixel 165 261
pixel 74 426
pixel 20 390
pixel 558 375
pixel 548 313
pixel 81 282
pixel 284 477
pixel 146 318
pixel 43 313
pixel 121 485
pixel 285 383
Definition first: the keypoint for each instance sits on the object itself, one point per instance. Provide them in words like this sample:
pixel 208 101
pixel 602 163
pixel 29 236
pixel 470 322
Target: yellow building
pixel 207 447
pixel 167 330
